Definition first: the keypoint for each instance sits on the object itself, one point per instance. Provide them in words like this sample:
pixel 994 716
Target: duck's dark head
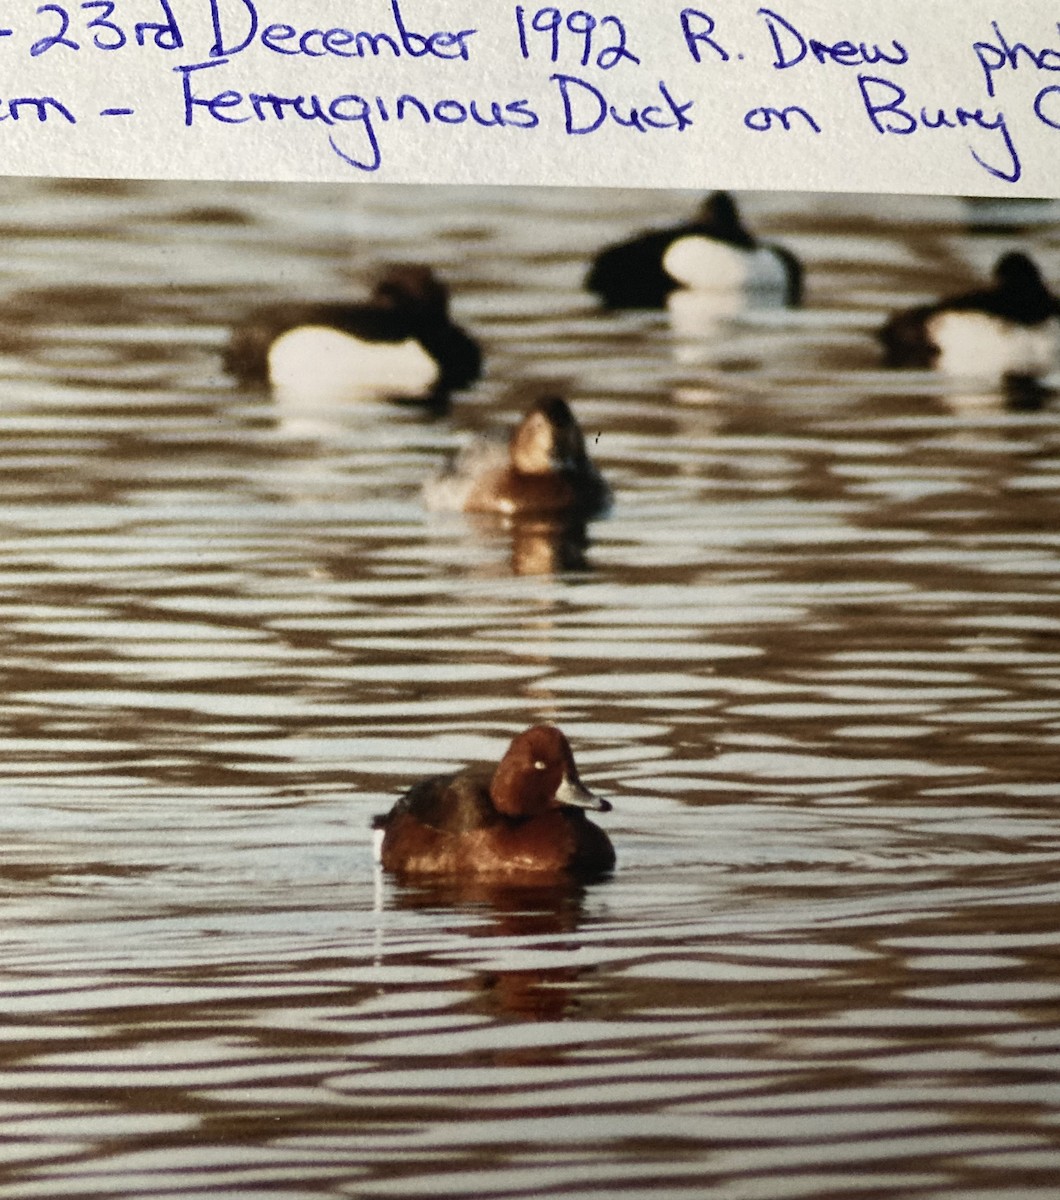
pixel 412 286
pixel 720 217
pixel 1016 272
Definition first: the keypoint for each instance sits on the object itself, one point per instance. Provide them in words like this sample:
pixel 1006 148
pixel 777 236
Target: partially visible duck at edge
pixel 400 343
pixel 545 471
pixel 523 818
pixel 712 252
pixel 1008 332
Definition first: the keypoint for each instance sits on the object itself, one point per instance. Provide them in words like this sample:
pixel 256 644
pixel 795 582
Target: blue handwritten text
pixel 1001 54
pixel 586 109
pixel 884 103
pixel 579 26
pixel 233 36
pixel 791 47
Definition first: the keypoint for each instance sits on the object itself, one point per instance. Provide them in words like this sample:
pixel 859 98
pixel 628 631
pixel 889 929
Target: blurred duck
pixel 712 252
pixel 1008 331
pixel 545 471
pixel 400 344
pixel 522 818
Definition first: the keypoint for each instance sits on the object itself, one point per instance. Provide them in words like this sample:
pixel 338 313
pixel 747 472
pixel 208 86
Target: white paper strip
pixel 906 95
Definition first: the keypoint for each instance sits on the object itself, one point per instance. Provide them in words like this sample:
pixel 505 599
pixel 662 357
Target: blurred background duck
pixel 399 344
pixel 713 252
pixel 1007 332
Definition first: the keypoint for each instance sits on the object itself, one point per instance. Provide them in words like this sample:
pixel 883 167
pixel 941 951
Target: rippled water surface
pixel 811 656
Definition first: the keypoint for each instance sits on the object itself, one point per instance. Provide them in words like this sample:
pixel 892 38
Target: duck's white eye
pixel 539 765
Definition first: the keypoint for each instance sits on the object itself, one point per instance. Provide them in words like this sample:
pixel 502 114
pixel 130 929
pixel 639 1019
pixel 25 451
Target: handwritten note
pixel 816 94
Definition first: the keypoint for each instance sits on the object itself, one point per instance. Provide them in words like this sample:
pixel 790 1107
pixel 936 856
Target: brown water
pixel 811 656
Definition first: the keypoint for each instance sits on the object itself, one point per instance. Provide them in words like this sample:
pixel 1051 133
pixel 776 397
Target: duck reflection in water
pixel 531 920
pixel 542 489
pixel 1017 394
pixel 537 545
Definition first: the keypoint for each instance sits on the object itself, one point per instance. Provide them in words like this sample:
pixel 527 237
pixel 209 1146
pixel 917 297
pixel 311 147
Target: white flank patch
pixel 377 844
pixel 977 345
pixel 317 363
pixel 703 264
